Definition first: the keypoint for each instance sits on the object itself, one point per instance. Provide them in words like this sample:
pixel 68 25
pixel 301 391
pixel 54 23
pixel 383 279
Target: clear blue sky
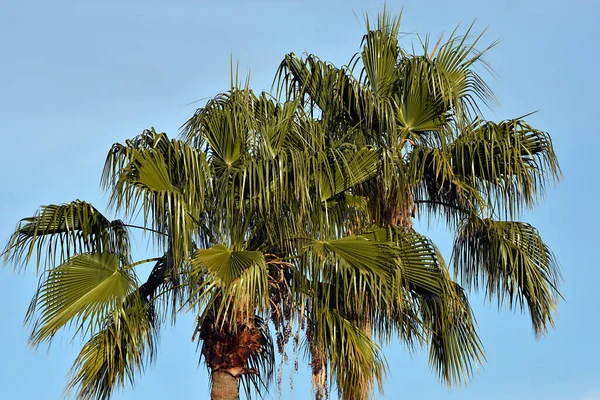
pixel 76 77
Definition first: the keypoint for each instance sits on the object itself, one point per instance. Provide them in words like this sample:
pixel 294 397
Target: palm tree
pixel 222 214
pixel 275 218
pixel 436 157
pixel 304 221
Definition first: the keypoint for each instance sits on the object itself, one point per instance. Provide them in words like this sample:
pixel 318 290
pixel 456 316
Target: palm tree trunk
pixel 227 352
pixel 224 386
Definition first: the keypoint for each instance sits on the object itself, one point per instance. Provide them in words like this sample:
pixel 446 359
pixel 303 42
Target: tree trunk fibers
pixel 224 386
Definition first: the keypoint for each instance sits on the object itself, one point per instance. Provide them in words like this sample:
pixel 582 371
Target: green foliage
pixel 510 261
pixel 164 179
pixel 346 350
pixel 85 290
pixel 295 211
pixel 56 232
pixel 112 357
pixel 236 280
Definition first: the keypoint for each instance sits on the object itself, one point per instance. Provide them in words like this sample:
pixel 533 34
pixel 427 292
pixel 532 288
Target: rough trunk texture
pixel 226 352
pixel 224 386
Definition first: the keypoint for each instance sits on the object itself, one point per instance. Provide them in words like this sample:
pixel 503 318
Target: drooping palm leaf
pixel 509 261
pixel 510 162
pixel 57 232
pixel 419 264
pixel 455 350
pixel 112 357
pixel 349 266
pixel 349 355
pixel 164 178
pixel 350 170
pixel 430 308
pixel 438 189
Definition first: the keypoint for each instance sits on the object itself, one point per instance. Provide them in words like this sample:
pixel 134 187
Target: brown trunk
pixel 224 386
pixel 227 352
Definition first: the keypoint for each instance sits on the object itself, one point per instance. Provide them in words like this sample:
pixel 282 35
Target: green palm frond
pixel 350 356
pixel 454 77
pixel 455 350
pixel 225 264
pixel 333 91
pixel 166 180
pixel 353 275
pixel 83 291
pixel 233 281
pixel 420 110
pixel 349 170
pixel 419 263
pixel 251 143
pixel 113 356
pixel 151 165
pixel 356 251
pixel 57 232
pixel 223 125
pixel 490 168
pixel 345 107
pixel 277 124
pixel 219 114
pixel 509 261
pixel 438 189
pixel 510 162
pixel 380 53
pixel 429 308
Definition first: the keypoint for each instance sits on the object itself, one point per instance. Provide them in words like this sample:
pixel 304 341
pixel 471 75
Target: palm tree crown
pixel 289 217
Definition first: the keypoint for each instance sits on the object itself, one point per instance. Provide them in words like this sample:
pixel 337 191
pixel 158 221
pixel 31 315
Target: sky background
pixel 77 76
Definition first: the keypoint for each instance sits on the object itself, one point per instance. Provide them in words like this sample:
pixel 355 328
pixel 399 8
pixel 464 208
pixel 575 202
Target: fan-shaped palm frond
pixel 350 170
pixel 340 272
pixel 421 113
pixel 84 291
pixel 235 282
pixel 57 232
pixel 418 262
pixel 454 77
